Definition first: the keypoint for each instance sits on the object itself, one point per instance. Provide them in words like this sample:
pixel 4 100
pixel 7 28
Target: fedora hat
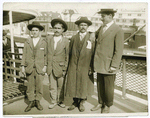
pixel 35 24
pixel 106 11
pixel 83 20
pixel 61 21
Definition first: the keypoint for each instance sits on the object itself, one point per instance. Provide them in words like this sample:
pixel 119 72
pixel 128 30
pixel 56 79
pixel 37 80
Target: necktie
pixel 104 28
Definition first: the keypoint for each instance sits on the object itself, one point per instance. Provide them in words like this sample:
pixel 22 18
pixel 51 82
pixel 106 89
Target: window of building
pixel 124 20
pixel 96 24
pixel 120 15
pixel 138 14
pixel 117 20
pixel 143 21
pixel 129 14
pixel 131 20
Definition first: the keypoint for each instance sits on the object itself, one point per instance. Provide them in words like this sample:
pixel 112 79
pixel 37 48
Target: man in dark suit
pixel 108 53
pixel 80 81
pixel 58 53
pixel 34 64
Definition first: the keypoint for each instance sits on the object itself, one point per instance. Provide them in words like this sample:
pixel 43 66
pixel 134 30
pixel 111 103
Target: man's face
pixel 35 32
pixel 58 30
pixel 83 27
pixel 106 18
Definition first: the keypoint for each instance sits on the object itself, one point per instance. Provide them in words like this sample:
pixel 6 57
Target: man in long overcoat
pixel 34 64
pixel 58 53
pixel 107 58
pixel 80 82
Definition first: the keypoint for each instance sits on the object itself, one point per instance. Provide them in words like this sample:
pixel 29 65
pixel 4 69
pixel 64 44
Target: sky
pixel 85 8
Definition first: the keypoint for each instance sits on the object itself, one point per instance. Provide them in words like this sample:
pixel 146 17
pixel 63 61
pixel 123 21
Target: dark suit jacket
pixel 39 59
pixel 57 59
pixel 109 49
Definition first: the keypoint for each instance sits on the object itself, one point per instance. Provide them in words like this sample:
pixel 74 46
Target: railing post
pixel 124 80
pixel 5 66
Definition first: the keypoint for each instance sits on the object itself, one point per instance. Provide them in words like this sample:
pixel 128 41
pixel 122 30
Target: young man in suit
pixel 58 53
pixel 34 64
pixel 107 58
pixel 80 81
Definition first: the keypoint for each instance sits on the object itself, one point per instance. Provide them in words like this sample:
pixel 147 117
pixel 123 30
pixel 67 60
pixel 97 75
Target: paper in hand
pixel 89 45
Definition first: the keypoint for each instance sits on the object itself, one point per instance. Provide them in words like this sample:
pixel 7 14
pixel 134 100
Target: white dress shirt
pixel 56 39
pixel 35 41
pixel 82 35
pixel 106 26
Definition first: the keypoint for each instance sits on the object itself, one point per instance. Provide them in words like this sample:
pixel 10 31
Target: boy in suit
pixel 58 52
pixel 34 64
pixel 107 58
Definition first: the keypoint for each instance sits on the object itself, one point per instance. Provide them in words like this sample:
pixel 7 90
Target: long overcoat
pixel 79 83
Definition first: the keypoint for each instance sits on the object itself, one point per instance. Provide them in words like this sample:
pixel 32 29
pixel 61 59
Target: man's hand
pixel 23 71
pixel 112 69
pixel 44 69
pixel 64 73
pixel 90 72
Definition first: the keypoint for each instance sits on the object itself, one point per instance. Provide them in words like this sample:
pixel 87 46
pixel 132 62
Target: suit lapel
pixel 108 31
pixel 39 42
pixel 59 45
pixel 30 41
pixel 85 42
pixel 52 44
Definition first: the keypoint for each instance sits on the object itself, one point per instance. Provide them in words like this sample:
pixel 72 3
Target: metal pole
pixel 124 80
pixel 12 40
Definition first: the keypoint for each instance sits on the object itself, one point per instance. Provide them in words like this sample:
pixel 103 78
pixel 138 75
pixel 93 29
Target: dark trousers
pixel 105 88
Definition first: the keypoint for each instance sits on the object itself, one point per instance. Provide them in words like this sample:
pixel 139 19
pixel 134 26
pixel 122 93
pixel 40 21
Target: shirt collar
pixel 109 24
pixel 57 38
pixel 36 38
pixel 83 33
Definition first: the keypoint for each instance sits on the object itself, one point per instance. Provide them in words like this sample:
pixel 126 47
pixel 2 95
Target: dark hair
pixel 108 13
pixel 59 23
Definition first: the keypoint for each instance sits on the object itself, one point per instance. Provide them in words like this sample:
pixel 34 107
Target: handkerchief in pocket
pixel 41 48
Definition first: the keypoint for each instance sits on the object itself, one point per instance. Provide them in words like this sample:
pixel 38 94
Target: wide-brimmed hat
pixel 106 11
pixel 60 21
pixel 83 20
pixel 35 24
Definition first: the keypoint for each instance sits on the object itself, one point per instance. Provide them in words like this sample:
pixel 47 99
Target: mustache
pixel 56 32
pixel 82 28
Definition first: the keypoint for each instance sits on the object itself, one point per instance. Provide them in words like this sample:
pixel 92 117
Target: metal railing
pixel 131 78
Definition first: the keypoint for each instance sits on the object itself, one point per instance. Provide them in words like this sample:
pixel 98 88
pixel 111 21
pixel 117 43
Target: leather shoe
pixel 31 105
pixel 61 104
pixel 106 109
pixel 99 106
pixel 52 105
pixel 38 105
pixel 73 106
pixel 81 107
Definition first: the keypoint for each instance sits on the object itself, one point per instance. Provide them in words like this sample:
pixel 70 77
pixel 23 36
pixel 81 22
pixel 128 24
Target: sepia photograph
pixel 68 59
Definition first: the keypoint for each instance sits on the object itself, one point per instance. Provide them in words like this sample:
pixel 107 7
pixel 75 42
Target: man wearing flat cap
pixel 80 82
pixel 58 53
pixel 107 58
pixel 34 64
